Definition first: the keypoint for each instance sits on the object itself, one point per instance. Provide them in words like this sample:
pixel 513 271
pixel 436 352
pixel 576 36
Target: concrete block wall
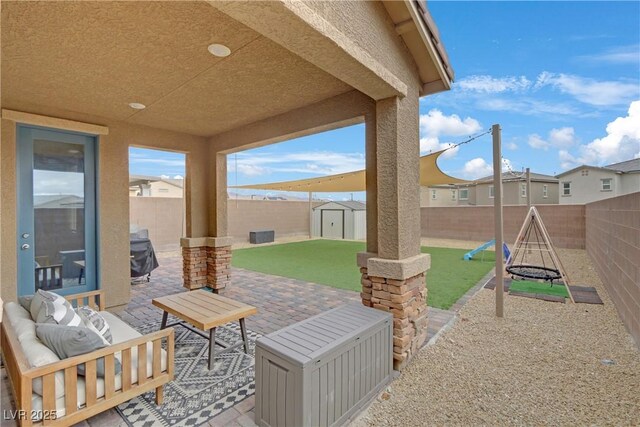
pixel 613 244
pixel 286 218
pixel 162 216
pixel 565 223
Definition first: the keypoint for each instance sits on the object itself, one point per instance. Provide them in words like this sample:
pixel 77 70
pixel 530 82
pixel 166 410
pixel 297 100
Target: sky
pixel 561 78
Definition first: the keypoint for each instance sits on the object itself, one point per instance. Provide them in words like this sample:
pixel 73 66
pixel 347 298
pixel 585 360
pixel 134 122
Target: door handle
pixel 25 246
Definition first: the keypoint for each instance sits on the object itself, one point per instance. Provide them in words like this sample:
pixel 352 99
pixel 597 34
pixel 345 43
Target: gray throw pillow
pixel 69 341
pixel 25 302
pixel 60 312
pixel 94 321
pixel 37 302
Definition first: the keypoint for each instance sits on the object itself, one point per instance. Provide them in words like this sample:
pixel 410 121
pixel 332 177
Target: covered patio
pixel 84 81
pixel 280 301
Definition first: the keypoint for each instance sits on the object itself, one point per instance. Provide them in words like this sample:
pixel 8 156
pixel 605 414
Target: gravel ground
pixel 539 365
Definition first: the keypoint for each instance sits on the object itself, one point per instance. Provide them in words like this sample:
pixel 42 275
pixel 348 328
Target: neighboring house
pixel 586 184
pixel 439 196
pixel 82 82
pixel 544 191
pixel 153 186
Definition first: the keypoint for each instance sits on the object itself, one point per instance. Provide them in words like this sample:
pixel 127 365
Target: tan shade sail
pixel 430 174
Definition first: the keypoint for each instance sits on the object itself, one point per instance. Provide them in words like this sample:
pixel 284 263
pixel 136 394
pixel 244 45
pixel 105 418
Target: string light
pixel 471 138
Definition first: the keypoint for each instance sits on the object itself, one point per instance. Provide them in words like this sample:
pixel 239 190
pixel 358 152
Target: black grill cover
pixel 143 257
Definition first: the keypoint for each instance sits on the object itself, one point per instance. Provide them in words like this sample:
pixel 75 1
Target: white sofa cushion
pixel 120 332
pixel 37 354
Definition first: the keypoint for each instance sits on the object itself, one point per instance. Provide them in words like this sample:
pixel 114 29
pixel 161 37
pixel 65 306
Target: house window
pixel 453 194
pixel 585 172
pixel 491 189
pixel 566 188
pixel 606 184
pixel 464 194
pixel 163 190
pixel 433 194
pixel 545 191
pixel 523 190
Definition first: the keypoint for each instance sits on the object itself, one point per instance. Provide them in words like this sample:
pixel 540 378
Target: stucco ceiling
pixel 94 58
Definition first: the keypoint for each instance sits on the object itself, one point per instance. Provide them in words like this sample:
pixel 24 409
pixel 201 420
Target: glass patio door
pixel 56 211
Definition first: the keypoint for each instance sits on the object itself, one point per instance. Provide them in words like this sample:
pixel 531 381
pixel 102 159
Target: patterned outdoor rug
pixel 196 394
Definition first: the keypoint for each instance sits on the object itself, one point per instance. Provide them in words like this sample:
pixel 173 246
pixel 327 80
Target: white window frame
pixel 545 191
pixel 523 190
pixel 492 191
pixel 453 195
pixel 466 191
pixel 564 189
pixel 609 181
pixel 434 194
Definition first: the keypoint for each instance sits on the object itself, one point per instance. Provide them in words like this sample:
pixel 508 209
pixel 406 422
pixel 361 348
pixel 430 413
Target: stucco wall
pixel 565 224
pixel 8 253
pixel 588 188
pixel 286 218
pixel 113 199
pixel 162 216
pixel 368 24
pixel 443 197
pixel 613 243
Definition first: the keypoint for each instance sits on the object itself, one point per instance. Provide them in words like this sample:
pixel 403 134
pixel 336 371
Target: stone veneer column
pixel 194 267
pixel 218 267
pixel 405 298
pixel 206 262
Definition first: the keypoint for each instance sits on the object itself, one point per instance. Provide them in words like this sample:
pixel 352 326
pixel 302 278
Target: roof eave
pixel 427 31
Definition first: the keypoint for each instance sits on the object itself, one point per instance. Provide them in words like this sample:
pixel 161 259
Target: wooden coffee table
pixel 206 311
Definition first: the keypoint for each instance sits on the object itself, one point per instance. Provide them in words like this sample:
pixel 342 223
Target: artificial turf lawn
pixel 333 263
pixel 538 288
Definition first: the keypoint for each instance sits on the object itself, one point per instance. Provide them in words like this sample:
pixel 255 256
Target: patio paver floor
pixel 280 301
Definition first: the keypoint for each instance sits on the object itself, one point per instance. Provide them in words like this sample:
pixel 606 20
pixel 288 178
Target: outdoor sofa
pixel 44 385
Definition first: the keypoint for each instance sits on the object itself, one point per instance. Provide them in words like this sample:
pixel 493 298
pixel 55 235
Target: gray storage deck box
pixel 318 372
pixel 261 236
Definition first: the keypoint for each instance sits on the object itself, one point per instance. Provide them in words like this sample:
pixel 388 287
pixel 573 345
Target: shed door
pixel 332 224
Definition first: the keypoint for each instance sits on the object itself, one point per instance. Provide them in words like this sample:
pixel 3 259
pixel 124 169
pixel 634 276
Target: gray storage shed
pixel 340 220
pixel 320 371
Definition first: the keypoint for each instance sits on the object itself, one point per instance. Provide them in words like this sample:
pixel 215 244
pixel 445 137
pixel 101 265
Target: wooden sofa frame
pixel 21 375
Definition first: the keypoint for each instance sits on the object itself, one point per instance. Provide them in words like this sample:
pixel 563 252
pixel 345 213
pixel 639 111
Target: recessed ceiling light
pixel 219 50
pixel 137 106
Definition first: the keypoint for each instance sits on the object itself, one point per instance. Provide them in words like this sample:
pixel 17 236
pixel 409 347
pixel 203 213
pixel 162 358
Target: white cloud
pixel 512 146
pixel 477 168
pixel 507 165
pixel 560 138
pixel 618 55
pixel 563 137
pixel 590 91
pixel 432 144
pixel 526 106
pixel 164 176
pixel 150 160
pixel 435 124
pixel 311 162
pixel 621 143
pixel 536 141
pixel 178 177
pixel 489 84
